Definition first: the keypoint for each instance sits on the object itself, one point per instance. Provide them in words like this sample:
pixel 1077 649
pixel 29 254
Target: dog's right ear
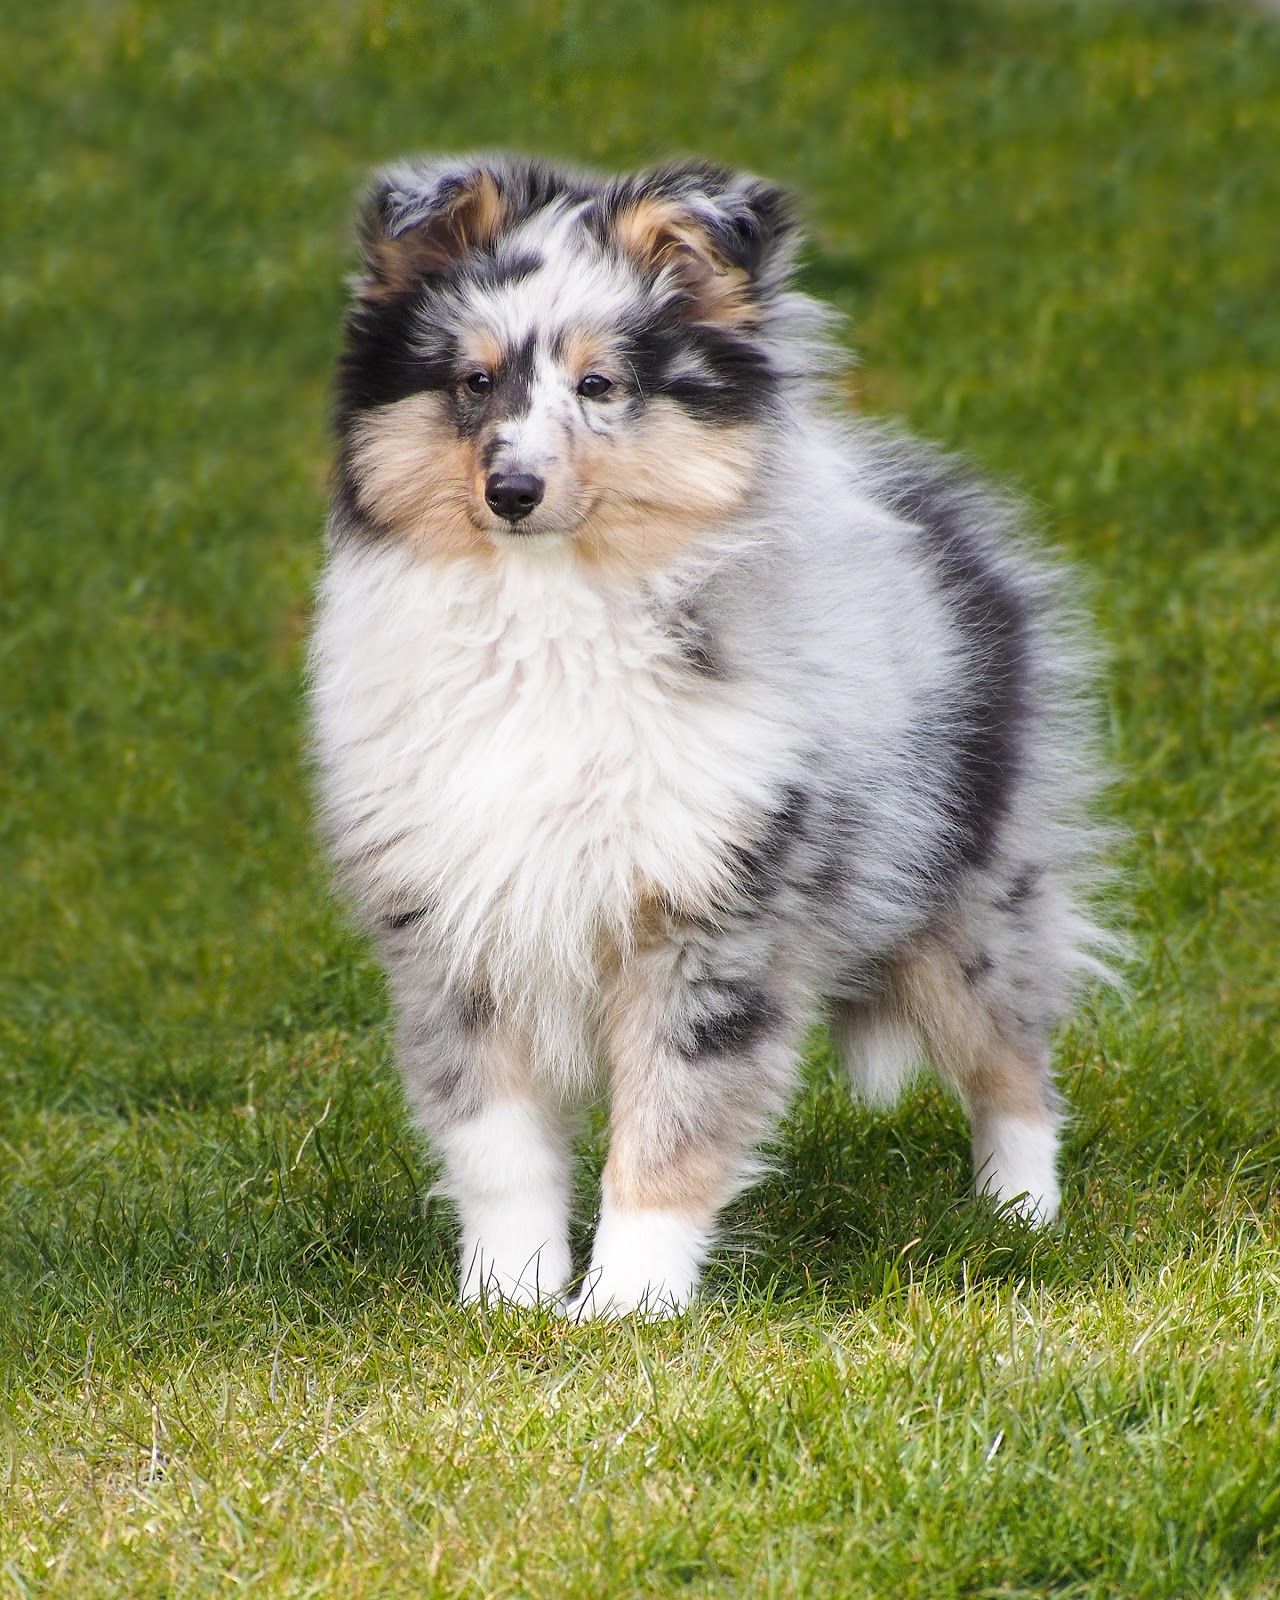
pixel 420 222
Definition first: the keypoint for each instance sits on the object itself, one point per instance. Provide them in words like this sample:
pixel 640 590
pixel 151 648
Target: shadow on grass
pixel 190 1227
pixel 860 1206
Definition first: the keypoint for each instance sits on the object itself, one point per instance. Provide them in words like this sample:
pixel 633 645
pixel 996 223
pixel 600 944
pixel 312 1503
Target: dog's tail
pixel 878 1048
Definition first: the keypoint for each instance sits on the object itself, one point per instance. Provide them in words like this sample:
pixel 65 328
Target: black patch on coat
pixel 381 362
pixel 509 397
pixel 393 349
pixel 693 638
pixel 446 1086
pixel 406 919
pixel 475 1009
pixel 497 272
pixel 348 517
pixel 1021 890
pixel 513 387
pixel 834 838
pixel 975 970
pixel 733 1018
pixel 982 735
pixel 760 868
pixel 739 385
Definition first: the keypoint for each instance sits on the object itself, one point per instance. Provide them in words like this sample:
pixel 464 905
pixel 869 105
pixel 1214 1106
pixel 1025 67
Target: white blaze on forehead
pixel 534 436
pixel 578 285
pixel 577 289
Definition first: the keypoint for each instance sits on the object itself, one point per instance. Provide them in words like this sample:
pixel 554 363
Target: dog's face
pixel 535 357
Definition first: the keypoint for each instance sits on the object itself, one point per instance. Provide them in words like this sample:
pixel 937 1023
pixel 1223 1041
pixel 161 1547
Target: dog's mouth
pixel 544 525
pixel 508 534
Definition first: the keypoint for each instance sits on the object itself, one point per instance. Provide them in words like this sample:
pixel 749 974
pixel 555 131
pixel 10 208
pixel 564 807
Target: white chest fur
pixel 522 749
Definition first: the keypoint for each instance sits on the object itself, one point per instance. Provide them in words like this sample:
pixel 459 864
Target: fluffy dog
pixel 660 711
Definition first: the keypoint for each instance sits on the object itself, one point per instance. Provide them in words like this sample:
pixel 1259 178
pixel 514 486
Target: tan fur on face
pixel 415 475
pixel 583 350
pixel 967 1041
pixel 661 233
pixel 484 348
pixel 644 497
pixel 659 487
pixel 631 503
pixel 469 221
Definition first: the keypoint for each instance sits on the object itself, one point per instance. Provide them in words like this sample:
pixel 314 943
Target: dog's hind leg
pixel 998 1065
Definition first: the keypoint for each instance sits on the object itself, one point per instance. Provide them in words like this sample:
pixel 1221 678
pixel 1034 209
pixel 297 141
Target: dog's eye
pixel 478 382
pixel 595 385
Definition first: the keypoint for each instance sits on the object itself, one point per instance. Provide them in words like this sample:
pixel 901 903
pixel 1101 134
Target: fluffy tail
pixel 879 1050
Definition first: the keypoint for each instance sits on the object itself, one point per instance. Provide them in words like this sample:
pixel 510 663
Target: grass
pixel 229 1357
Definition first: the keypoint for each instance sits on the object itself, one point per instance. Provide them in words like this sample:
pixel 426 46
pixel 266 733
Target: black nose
pixel 513 494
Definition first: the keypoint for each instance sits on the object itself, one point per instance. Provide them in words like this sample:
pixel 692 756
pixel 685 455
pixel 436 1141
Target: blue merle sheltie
pixel 661 710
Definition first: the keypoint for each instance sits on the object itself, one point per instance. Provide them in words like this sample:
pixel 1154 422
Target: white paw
pixel 645 1263
pixel 507 1172
pixel 1015 1162
pixel 1037 1209
pixel 523 1275
pixel 599 1301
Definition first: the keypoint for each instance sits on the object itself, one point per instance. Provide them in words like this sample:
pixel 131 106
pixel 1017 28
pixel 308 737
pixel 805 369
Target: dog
pixel 660 711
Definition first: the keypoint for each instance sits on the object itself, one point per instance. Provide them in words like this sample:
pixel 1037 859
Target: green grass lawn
pixel 231 1359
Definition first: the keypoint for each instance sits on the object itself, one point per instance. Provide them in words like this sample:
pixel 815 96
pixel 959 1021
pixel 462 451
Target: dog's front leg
pixel 703 1053
pixel 506 1169
pixel 504 1141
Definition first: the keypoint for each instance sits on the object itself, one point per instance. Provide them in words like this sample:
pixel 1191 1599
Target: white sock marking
pixel 645 1261
pixel 507 1172
pixel 1015 1159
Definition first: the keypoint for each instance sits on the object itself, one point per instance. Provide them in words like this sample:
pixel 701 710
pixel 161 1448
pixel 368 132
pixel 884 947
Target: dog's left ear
pixel 726 240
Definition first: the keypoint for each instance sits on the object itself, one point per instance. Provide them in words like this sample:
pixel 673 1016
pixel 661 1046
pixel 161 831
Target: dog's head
pixel 534 355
